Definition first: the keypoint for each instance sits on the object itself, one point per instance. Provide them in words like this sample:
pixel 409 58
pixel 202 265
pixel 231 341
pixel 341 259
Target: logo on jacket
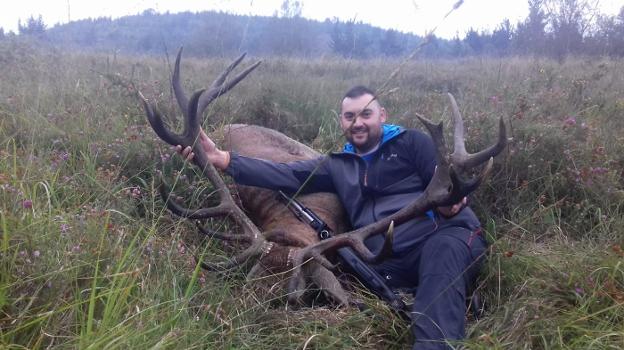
pixel 391 156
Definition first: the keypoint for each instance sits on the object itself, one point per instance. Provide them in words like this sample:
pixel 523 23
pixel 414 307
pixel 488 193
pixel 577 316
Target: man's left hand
pixel 452 210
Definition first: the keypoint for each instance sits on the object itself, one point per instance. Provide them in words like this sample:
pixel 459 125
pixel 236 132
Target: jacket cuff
pixel 232 168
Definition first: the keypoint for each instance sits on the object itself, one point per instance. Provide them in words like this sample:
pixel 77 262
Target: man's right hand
pixel 220 159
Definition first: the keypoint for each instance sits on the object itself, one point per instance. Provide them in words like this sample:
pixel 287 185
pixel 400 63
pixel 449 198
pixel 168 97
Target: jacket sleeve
pixel 305 176
pixel 424 158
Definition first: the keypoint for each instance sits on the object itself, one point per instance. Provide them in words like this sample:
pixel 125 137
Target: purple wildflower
pixel 569 121
pixel 599 170
pixel 27 204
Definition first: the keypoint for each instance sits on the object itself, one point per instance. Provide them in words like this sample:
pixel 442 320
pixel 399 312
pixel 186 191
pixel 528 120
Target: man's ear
pixel 383 115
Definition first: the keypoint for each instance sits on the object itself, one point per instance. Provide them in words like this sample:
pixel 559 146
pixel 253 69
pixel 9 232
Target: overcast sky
pixel 416 16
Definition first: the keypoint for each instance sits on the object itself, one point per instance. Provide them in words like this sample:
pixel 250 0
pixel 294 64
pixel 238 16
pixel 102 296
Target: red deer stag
pixel 273 232
pixel 285 243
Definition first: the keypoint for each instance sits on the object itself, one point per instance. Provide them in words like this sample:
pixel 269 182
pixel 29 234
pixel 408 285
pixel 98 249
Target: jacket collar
pixel 390 131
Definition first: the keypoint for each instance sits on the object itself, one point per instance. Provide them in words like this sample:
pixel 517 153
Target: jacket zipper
pixel 366 167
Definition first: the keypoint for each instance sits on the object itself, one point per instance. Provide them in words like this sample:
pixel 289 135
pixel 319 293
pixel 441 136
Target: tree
pixel 570 21
pixel 33 27
pixel 608 38
pixel 501 38
pixel 618 45
pixel 290 9
pixel 342 38
pixel 531 34
pixel 475 41
pixel 458 48
pixel 390 45
pixel 431 48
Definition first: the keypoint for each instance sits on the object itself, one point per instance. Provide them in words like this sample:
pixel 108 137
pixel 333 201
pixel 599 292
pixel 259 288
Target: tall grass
pixel 90 259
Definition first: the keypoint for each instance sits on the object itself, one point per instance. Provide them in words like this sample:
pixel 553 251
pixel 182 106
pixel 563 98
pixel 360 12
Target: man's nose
pixel 358 121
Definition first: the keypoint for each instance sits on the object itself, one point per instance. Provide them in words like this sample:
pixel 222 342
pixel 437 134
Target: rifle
pixel 365 274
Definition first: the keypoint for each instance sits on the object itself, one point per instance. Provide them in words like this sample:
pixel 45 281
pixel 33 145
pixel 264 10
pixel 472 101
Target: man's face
pixel 361 119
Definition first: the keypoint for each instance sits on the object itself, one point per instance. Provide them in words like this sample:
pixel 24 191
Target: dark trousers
pixel 440 271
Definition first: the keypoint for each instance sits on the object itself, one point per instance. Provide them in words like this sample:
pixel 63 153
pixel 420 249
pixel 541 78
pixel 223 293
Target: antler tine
pixel 354 239
pixel 244 258
pixel 177 86
pixel 223 209
pixel 217 88
pixel 221 78
pixel 155 120
pixel 459 145
pixel 461 158
pixel 477 158
pixel 466 186
pixel 437 136
pixel 223 236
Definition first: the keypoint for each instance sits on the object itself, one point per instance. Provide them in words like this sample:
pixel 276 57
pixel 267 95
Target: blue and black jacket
pixel 370 188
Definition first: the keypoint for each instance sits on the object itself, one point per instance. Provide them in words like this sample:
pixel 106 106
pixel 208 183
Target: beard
pixel 362 139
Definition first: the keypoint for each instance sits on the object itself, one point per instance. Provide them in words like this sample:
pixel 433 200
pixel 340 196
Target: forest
pixel 553 28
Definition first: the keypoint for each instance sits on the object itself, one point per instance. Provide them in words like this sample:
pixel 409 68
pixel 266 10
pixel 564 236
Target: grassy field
pixel 89 258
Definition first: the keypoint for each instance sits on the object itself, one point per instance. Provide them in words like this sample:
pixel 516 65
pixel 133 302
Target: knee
pixel 444 245
pixel 444 254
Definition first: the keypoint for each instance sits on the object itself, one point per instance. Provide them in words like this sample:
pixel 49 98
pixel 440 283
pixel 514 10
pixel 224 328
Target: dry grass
pixel 89 257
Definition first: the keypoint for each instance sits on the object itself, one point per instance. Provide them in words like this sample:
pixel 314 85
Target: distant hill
pixel 547 31
pixel 220 34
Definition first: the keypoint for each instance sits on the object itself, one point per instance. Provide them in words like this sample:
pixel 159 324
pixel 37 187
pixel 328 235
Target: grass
pixel 90 259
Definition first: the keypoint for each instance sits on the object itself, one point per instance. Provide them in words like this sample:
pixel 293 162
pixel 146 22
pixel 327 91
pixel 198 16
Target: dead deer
pixel 272 232
pixel 279 242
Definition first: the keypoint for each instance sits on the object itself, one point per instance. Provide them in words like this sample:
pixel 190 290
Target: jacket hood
pixel 390 131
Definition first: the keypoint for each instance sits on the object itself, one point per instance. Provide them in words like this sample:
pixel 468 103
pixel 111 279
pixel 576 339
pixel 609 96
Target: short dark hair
pixel 358 91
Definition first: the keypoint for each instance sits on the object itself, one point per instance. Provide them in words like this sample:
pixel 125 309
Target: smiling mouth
pixel 358 132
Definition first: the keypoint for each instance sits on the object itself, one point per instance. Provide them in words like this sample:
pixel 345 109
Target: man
pixel 381 169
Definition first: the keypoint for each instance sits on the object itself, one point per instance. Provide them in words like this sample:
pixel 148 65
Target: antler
pixel 192 110
pixel 447 186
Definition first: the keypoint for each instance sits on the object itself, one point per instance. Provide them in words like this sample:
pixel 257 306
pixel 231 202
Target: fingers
pixel 207 145
pixel 459 206
pixel 186 153
pixel 456 208
pixel 452 210
pixel 203 136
